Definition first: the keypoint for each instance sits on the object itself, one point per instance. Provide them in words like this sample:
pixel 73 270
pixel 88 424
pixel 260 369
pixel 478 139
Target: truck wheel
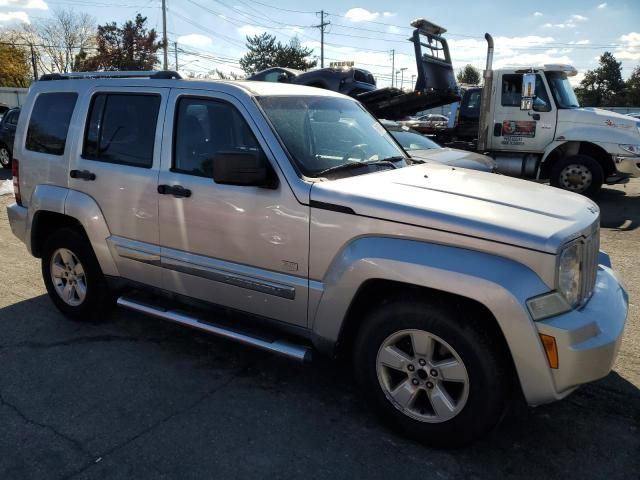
pixel 431 375
pixel 5 157
pixel 579 173
pixel 73 277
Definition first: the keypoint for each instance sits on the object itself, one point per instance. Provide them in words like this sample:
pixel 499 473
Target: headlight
pixel 634 149
pixel 569 273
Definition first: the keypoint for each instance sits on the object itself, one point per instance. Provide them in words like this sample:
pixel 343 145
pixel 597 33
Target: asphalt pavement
pixel 136 397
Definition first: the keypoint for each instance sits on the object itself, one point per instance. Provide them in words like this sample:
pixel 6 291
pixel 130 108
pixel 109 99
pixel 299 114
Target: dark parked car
pixel 7 134
pixel 348 81
pixel 422 148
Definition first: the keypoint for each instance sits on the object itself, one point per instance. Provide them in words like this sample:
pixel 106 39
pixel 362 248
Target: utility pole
pixel 322 25
pixel 413 82
pixel 393 66
pixel 402 78
pixel 33 63
pixel 175 48
pixel 164 33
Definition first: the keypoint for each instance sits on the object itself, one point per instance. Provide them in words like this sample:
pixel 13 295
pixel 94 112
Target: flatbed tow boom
pixel 435 84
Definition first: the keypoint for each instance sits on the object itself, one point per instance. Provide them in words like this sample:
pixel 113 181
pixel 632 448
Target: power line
pixel 284 9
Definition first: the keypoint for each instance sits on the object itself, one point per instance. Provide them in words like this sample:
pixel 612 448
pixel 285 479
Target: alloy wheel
pixel 422 376
pixel 68 277
pixel 5 158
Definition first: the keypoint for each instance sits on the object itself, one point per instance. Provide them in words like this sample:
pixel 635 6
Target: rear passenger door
pixel 117 163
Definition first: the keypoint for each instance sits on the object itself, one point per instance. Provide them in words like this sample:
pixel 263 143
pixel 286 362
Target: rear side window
pixel 122 129
pixel 49 122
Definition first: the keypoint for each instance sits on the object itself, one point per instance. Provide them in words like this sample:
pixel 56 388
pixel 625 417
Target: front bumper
pixel 18 220
pixel 588 339
pixel 627 165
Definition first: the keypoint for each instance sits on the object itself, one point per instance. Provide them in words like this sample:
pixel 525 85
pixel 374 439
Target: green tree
pixel 265 52
pixel 129 47
pixel 603 87
pixel 16 66
pixel 632 87
pixel 469 75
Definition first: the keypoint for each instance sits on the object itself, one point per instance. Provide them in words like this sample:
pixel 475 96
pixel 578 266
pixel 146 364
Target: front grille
pixel 590 252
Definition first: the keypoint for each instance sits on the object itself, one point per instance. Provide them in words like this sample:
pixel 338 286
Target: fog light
pixel 551 349
pixel 547 305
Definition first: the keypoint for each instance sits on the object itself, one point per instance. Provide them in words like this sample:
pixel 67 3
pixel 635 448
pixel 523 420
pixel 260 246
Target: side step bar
pixel 281 347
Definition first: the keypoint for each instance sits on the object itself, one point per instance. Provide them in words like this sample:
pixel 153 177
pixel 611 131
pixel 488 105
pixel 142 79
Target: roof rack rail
pixel 157 75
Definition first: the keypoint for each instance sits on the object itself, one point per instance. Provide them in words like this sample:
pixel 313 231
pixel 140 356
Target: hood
pixel 602 125
pixel 478 204
pixel 456 158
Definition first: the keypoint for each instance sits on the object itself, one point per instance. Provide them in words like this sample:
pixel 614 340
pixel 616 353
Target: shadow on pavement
pixel 618 210
pixel 5 174
pixel 150 398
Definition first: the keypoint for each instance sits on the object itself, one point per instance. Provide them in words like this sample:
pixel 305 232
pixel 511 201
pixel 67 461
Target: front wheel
pixel 431 374
pixel 73 277
pixel 5 157
pixel 578 173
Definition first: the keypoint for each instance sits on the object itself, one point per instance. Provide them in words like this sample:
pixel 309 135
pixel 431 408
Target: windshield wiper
pixel 352 165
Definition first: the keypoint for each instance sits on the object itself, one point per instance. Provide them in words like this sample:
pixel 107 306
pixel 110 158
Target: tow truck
pixel 529 120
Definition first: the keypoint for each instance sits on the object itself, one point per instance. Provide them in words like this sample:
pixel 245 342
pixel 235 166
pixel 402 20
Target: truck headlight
pixel 634 149
pixel 569 273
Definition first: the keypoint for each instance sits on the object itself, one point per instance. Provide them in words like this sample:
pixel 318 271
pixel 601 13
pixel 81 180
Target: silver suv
pixel 450 290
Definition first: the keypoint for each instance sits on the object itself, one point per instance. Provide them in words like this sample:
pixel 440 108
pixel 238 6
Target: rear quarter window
pixel 49 122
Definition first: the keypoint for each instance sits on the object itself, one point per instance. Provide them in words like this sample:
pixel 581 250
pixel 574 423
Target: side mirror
pixel 528 91
pixel 283 78
pixel 244 168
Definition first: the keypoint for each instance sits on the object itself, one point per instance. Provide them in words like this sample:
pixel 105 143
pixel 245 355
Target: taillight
pixel 15 171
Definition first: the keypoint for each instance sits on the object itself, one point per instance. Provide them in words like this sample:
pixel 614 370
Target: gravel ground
pixel 137 398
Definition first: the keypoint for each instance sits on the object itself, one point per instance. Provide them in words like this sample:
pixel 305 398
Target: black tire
pixel 487 369
pixel 97 301
pixel 5 154
pixel 559 174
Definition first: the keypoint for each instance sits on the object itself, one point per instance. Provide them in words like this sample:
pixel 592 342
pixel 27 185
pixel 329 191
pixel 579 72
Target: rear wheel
pixel 73 277
pixel 5 157
pixel 431 374
pixel 578 173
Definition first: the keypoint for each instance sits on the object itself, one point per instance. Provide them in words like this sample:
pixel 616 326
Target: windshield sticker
pixel 518 128
pixel 379 128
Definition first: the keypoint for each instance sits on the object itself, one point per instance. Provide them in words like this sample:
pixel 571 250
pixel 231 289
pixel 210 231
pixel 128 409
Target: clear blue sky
pixel 213 31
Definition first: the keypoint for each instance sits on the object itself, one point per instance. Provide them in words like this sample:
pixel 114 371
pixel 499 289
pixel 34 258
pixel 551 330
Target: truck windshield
pixel 324 133
pixel 562 90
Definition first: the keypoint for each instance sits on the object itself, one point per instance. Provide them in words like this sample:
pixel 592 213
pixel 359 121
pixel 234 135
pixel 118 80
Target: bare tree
pixel 59 38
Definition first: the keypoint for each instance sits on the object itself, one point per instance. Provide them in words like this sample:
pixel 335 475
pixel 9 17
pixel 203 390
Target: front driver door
pixel 237 246
pixel 518 130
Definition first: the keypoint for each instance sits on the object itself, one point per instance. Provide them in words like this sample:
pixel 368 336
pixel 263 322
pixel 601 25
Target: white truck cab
pixel 535 128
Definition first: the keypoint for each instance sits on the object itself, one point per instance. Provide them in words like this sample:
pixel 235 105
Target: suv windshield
pixel 323 133
pixel 561 89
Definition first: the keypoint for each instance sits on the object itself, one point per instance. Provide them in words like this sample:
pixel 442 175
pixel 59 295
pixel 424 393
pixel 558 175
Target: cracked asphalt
pixel 137 397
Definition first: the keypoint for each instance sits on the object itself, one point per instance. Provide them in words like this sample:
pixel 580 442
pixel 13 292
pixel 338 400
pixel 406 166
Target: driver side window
pixel 204 128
